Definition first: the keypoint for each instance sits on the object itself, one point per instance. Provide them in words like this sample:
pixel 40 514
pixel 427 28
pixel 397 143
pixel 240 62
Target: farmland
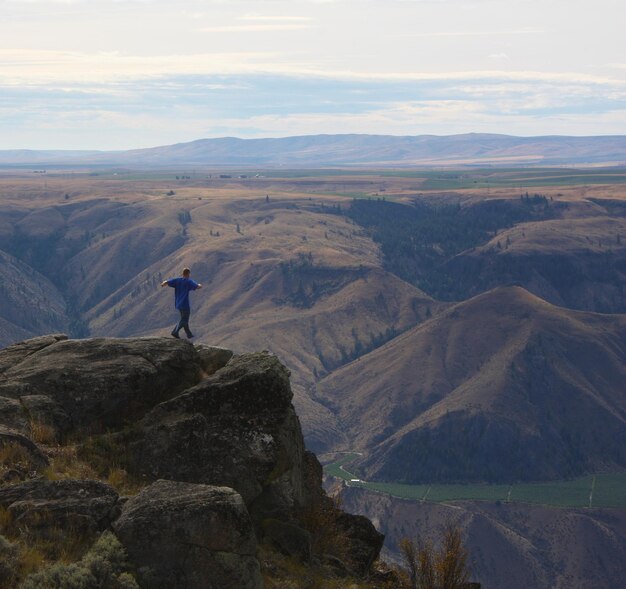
pixel 602 490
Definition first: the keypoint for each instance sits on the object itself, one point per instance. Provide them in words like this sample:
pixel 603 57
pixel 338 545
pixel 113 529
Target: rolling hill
pixel 349 150
pixel 294 274
pixel 286 275
pixel 568 251
pixel 502 387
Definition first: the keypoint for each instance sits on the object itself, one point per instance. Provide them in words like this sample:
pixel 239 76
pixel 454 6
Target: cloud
pixel 264 18
pixel 183 107
pixel 110 127
pixel 39 67
pixel 256 28
pixel 468 33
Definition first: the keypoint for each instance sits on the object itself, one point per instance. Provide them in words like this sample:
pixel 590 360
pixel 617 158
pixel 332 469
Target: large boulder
pixel 82 506
pixel 236 428
pixel 365 541
pixel 189 536
pixel 100 383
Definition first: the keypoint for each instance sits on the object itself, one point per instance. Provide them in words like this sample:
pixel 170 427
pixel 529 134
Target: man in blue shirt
pixel 182 286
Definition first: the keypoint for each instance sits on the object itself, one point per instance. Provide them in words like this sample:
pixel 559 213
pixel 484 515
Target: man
pixel 182 286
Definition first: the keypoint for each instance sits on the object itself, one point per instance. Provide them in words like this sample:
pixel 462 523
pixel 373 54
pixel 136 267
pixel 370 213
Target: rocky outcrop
pixel 12 415
pixel 103 383
pixel 214 437
pixel 84 507
pixel 191 536
pixel 212 358
pixel 100 383
pixel 236 428
pixel 13 355
pixel 365 541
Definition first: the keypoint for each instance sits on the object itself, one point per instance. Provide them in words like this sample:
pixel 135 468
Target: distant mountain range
pixel 348 151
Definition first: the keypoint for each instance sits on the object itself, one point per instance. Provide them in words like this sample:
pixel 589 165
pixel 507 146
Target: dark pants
pixel 183 323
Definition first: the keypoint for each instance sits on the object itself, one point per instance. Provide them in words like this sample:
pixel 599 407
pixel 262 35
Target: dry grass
pixel 40 541
pixel 65 464
pixel 71 461
pixel 107 455
pixel 42 433
pixel 14 458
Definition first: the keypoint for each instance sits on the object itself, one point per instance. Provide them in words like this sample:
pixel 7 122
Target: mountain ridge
pixel 349 150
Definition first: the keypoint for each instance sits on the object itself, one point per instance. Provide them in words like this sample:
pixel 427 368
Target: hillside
pixel 502 387
pixel 511 545
pixel 29 302
pixel 574 263
pixel 286 274
pixel 353 280
pixel 350 150
pixel 566 250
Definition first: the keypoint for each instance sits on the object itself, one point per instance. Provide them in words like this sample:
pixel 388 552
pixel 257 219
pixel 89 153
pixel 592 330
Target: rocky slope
pixel 211 439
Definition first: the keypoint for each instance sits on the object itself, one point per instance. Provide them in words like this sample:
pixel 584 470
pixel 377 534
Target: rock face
pixel 219 428
pixel 191 536
pixel 236 428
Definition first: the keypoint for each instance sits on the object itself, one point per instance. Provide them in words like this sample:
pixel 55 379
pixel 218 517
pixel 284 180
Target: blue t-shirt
pixel 182 287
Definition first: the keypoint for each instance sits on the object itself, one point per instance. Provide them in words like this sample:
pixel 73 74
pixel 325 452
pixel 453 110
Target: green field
pixel 427 179
pixel 476 178
pixel 521 178
pixel 609 490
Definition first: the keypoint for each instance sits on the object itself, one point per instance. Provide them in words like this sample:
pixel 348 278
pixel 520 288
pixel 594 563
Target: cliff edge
pixel 191 456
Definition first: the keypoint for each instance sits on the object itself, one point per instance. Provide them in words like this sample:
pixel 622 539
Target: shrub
pixel 9 563
pixel 103 567
pixel 430 568
pixel 16 561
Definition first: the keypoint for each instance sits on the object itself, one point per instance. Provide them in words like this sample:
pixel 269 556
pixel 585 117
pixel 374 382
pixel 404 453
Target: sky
pixel 120 74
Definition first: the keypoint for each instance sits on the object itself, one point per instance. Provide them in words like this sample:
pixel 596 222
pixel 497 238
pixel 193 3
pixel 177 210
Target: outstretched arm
pixel 199 286
pixel 164 283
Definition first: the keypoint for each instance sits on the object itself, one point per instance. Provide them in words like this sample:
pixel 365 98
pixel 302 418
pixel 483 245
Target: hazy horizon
pixel 287 137
pixel 124 74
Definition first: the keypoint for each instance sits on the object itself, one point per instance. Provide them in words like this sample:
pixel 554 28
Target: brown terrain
pixel 502 387
pixel 517 374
